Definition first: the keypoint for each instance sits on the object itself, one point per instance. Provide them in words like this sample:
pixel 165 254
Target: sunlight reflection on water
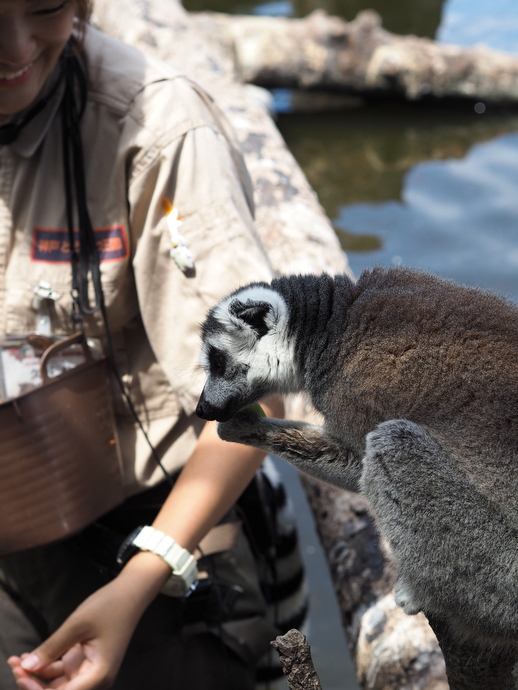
pixel 458 218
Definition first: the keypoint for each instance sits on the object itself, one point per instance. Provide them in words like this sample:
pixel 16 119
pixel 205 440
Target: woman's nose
pixel 17 45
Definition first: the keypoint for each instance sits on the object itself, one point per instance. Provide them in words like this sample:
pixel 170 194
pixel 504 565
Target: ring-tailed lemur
pixel 417 380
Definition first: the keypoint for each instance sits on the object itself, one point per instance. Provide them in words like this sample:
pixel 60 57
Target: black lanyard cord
pixel 86 260
pixel 84 256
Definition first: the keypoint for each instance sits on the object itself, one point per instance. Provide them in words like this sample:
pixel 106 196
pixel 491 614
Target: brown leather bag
pixel 60 465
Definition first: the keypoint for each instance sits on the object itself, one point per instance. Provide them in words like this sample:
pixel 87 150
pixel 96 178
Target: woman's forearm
pixel 211 482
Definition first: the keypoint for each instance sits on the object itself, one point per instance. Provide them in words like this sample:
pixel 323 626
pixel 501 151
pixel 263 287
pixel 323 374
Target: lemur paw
pixel 242 428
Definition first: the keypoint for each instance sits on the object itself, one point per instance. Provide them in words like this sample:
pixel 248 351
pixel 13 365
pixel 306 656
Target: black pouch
pixel 211 601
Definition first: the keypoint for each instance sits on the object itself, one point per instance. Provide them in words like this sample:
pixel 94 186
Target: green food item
pixel 254 408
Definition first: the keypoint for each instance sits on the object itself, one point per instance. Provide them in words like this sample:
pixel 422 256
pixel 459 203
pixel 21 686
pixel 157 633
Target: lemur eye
pixel 217 362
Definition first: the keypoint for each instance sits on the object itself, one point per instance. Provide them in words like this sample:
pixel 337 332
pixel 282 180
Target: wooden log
pixel 325 52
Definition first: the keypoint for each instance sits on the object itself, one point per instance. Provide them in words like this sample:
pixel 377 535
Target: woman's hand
pixel 76 669
pixel 85 653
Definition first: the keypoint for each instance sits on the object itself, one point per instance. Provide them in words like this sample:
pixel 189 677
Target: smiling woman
pixel 32 37
pixel 94 135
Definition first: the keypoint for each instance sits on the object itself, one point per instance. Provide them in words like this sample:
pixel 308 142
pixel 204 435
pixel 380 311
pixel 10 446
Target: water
pixel 429 186
pixel 424 186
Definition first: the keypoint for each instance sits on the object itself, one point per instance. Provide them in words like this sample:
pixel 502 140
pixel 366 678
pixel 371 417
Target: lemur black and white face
pixel 246 352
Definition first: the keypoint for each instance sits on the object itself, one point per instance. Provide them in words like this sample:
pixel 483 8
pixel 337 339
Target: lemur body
pixel 417 380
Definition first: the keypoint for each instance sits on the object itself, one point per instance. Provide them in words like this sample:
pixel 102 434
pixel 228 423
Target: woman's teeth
pixel 7 76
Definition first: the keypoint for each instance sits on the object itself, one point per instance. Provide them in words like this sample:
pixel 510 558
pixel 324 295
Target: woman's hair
pixel 84 10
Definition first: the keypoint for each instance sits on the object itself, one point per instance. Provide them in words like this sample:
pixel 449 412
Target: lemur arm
pixel 305 446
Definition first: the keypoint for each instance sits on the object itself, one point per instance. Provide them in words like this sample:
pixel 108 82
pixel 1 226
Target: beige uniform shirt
pixel 148 134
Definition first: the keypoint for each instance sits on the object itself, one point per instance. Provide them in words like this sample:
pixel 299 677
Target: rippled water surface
pixel 425 186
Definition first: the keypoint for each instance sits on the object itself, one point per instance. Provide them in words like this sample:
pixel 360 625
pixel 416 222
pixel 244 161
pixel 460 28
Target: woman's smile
pixel 13 78
pixel 33 34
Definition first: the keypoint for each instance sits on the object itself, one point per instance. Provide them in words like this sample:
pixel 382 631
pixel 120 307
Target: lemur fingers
pixel 304 445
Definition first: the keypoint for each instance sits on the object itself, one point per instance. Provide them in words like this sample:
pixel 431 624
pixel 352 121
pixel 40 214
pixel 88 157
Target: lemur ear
pixel 252 313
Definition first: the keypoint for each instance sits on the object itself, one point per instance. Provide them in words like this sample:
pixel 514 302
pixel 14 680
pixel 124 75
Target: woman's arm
pixel 86 651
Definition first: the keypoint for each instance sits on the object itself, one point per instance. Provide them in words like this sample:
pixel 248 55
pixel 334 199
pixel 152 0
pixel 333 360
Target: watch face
pixel 175 587
pixel 182 562
pixel 127 549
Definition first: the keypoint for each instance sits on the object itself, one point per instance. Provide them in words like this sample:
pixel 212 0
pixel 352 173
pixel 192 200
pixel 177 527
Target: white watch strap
pixel 181 562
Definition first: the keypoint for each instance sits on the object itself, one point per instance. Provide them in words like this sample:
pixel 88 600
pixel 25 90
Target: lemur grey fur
pixel 417 380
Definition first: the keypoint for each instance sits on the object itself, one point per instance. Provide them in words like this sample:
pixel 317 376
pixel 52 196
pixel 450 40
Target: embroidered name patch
pixel 52 246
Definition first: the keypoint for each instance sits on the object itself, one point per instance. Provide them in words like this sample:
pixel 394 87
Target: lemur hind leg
pixel 304 445
pixel 457 555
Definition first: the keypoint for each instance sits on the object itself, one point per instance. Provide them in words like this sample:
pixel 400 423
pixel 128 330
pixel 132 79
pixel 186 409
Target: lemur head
pixel 246 352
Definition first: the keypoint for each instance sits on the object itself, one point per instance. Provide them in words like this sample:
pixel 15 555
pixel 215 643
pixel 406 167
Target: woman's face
pixel 32 35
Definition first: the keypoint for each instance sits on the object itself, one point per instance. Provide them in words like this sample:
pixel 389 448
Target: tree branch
pixel 297 664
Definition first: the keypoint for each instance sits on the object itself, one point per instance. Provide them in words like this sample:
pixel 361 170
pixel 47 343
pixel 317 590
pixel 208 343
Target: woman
pixel 151 139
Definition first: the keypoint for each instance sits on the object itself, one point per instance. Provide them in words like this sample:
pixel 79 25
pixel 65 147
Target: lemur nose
pixel 202 410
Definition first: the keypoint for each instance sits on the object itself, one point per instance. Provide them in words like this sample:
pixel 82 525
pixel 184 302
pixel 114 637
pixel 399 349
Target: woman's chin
pixel 16 95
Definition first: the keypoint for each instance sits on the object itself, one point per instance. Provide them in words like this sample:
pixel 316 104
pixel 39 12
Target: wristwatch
pixel 181 562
